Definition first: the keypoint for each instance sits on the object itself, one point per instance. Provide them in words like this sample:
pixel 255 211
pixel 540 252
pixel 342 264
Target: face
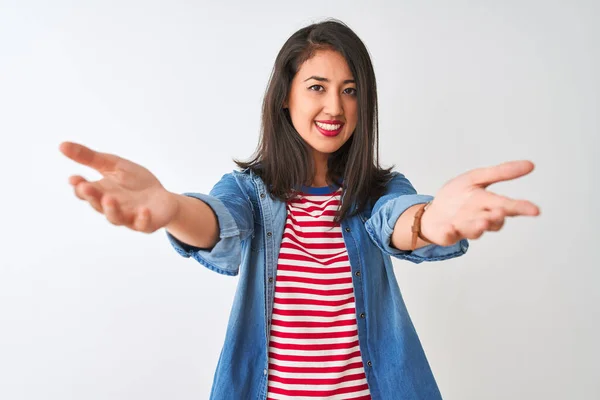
pixel 322 102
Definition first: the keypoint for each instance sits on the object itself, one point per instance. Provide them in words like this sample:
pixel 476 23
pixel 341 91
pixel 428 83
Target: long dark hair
pixel 284 161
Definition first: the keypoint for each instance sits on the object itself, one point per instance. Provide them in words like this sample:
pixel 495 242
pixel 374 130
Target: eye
pixel 320 88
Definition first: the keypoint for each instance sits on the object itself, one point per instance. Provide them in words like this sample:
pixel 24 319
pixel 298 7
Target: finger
pixel 496 219
pixel 503 172
pixel 476 225
pixel 482 221
pixel 511 207
pixel 88 192
pixel 450 235
pixel 141 221
pixel 101 162
pixel 74 180
pixel 112 211
pixel 473 227
pixel 521 207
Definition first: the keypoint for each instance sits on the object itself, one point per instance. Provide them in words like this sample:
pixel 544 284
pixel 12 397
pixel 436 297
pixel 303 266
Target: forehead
pixel 325 63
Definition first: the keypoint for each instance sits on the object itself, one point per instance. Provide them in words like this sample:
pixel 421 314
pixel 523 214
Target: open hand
pixel 128 194
pixel 464 209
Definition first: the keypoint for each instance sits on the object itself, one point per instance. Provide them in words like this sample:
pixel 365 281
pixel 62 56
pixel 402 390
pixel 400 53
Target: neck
pixel 320 177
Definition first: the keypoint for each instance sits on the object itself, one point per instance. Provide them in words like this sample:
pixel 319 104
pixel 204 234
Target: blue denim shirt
pixel 251 226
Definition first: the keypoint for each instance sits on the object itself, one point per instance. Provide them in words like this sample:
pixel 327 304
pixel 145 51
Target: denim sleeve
pixel 399 196
pixel 236 223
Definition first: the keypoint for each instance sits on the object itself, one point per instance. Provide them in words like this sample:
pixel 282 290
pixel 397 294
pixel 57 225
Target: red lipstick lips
pixel 331 122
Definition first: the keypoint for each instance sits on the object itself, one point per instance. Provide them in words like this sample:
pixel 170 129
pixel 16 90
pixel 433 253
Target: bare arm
pixel 402 234
pixel 194 222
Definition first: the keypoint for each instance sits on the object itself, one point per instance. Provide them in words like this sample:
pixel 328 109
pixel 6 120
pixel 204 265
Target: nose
pixel 333 104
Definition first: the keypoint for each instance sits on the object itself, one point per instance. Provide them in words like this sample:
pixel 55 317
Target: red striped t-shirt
pixel 313 345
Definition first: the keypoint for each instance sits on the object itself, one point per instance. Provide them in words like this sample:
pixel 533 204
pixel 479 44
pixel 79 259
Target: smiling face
pixel 322 103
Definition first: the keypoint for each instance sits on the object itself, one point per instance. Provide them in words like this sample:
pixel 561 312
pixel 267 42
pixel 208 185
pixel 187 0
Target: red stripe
pixel 314 212
pixel 334 292
pixel 288 237
pixel 320 335
pixel 322 381
pixel 314 281
pixel 365 397
pixel 314 313
pixel 293 243
pixel 318 393
pixel 333 201
pixel 306 300
pixel 319 223
pixel 300 257
pixel 313 324
pixel 317 235
pixel 314 270
pixel 301 248
pixel 315 370
pixel 313 347
pixel 317 359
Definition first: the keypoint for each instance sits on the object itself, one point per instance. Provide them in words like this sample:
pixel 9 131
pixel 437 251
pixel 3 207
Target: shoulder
pixel 398 182
pixel 235 181
pixel 239 175
pixel 245 181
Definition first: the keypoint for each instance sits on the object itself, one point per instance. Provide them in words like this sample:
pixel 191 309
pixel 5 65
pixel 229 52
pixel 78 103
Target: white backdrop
pixel 91 311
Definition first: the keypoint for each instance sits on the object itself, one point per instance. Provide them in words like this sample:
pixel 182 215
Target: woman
pixel 312 222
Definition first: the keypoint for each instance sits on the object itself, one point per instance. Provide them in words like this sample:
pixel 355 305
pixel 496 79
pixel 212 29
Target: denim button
pixel 262 195
pixel 357 273
pixel 347 229
pixel 271 280
pixel 264 371
pixel 269 234
pixel 369 363
pixel 362 315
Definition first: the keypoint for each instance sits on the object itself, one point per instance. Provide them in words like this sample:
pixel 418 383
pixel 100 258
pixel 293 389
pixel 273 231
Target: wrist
pixel 174 201
pixel 426 232
pixel 417 226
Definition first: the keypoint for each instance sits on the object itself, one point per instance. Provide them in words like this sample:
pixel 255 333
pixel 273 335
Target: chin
pixel 326 149
pixel 324 145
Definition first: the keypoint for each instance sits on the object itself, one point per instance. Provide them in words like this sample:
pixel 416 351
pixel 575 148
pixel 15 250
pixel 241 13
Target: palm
pixel 464 209
pixel 128 194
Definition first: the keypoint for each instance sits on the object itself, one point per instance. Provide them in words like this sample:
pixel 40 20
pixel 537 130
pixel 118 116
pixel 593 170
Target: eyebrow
pixel 321 79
